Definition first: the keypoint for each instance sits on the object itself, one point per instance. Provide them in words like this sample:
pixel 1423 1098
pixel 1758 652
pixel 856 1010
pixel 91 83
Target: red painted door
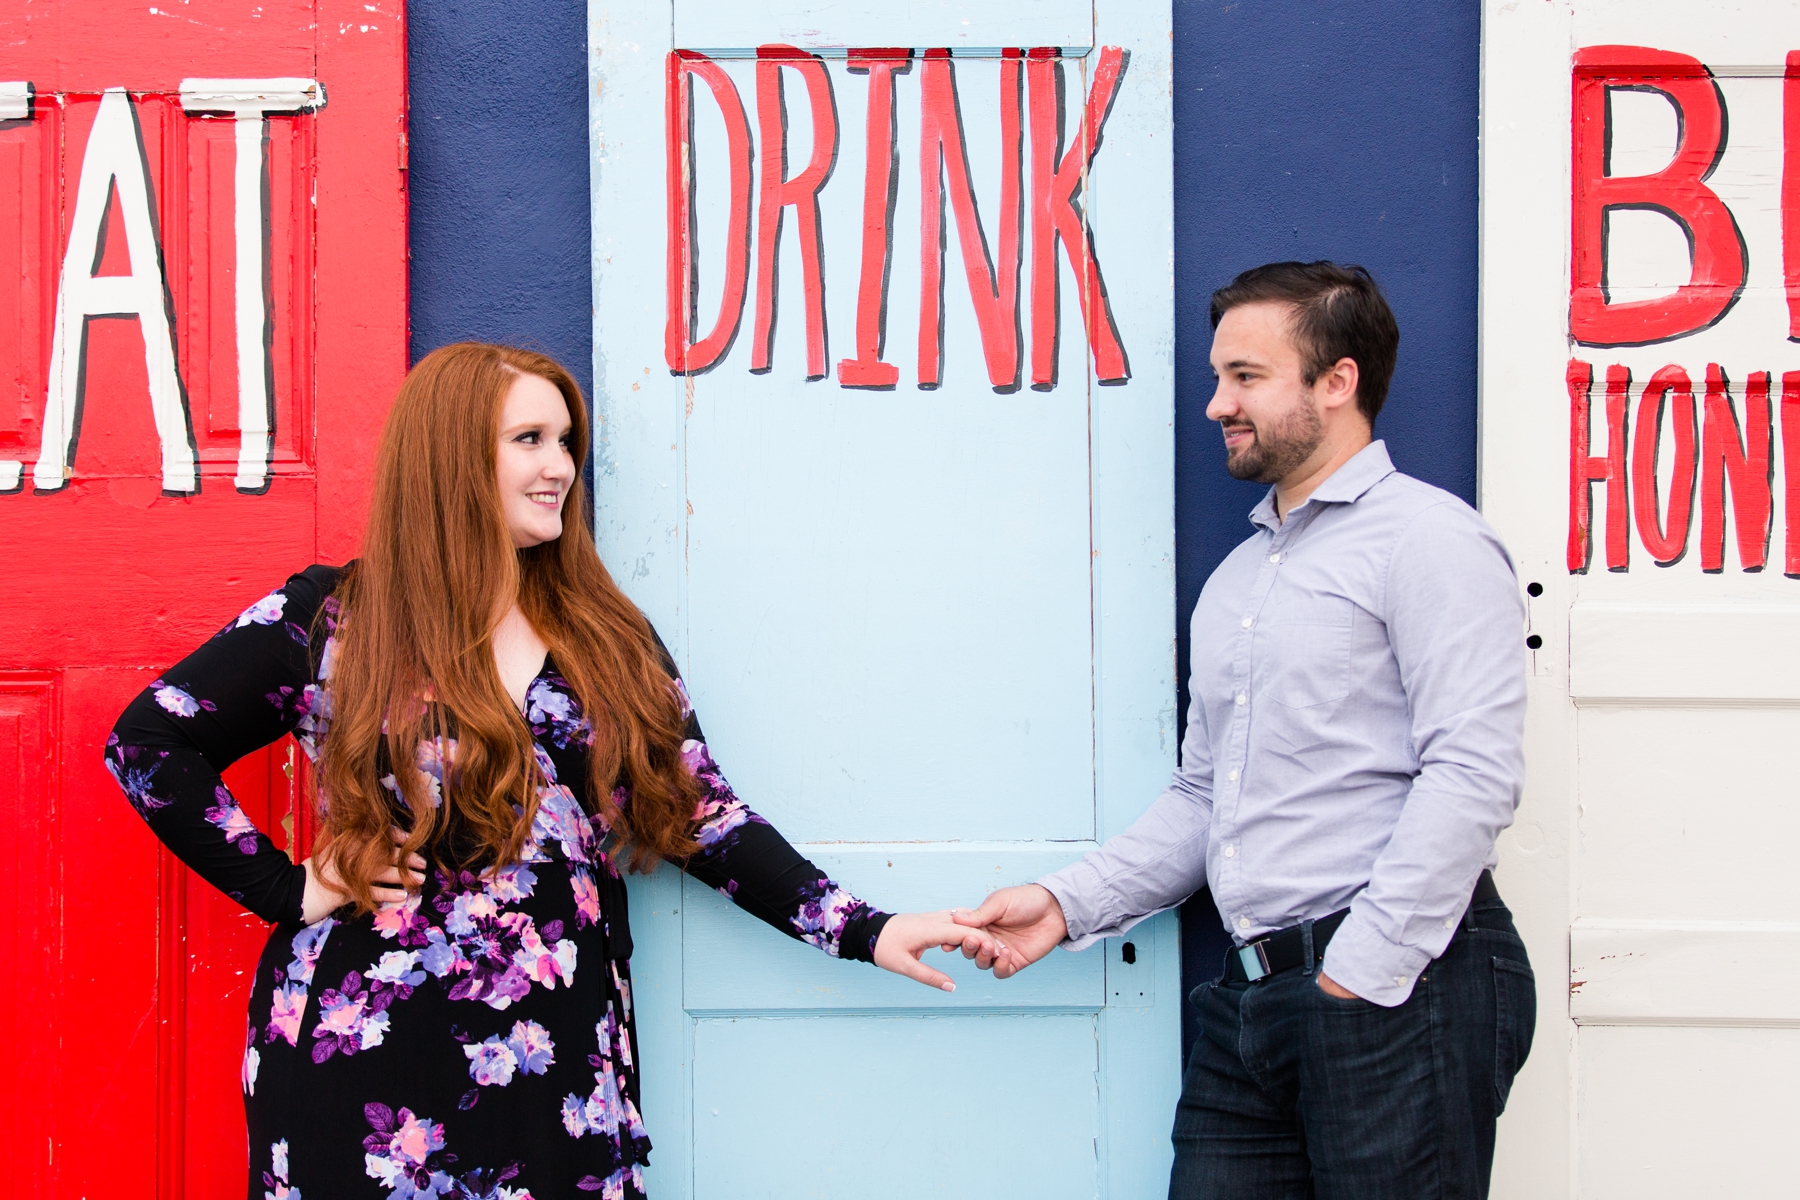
pixel 202 318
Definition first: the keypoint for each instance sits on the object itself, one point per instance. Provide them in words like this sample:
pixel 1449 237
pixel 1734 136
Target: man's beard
pixel 1276 449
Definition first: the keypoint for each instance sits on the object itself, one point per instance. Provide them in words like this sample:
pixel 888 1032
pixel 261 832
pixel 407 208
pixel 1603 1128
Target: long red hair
pixel 414 659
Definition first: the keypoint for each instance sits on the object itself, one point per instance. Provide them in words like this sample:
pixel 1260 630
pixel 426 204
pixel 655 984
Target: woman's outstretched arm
pixel 746 859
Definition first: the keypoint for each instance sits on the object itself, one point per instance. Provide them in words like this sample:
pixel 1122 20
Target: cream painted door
pixel 1641 456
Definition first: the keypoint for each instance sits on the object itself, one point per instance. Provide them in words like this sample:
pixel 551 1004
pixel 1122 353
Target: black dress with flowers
pixel 477 1040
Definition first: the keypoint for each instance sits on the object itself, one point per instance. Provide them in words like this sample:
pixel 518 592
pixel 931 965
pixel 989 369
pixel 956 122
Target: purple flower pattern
pixel 238 829
pixel 134 768
pixel 275 1179
pixel 406 1154
pixel 509 940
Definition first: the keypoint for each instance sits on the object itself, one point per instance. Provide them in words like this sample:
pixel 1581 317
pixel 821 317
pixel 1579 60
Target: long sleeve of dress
pixel 250 685
pixel 746 859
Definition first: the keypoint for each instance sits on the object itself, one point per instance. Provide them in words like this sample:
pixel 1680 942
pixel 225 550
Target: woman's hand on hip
pixel 907 936
pixel 325 892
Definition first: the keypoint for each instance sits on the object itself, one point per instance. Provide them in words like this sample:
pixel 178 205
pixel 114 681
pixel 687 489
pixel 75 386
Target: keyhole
pixel 1534 642
pixel 1534 589
pixel 1128 952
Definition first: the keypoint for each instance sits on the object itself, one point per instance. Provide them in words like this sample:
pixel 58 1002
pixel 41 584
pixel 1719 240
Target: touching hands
pixel 1025 923
pixel 906 936
pixel 325 892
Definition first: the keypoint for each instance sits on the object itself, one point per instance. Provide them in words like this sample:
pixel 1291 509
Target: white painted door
pixel 1640 433
pixel 910 539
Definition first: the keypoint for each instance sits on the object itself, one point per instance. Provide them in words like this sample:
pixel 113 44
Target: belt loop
pixel 1306 945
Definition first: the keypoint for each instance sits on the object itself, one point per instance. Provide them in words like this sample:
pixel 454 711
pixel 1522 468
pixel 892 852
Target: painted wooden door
pixel 202 315
pixel 883 365
pixel 1641 457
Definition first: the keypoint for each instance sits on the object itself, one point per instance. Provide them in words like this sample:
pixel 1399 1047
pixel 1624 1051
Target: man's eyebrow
pixel 1235 363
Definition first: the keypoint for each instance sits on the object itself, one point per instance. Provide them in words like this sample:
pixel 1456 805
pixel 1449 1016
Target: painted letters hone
pixel 1043 206
pixel 1678 469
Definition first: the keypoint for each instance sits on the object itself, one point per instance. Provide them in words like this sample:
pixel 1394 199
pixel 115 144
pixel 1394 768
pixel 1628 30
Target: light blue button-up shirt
pixel 1354 738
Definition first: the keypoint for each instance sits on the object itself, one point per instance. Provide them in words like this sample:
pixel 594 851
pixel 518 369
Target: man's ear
pixel 1336 386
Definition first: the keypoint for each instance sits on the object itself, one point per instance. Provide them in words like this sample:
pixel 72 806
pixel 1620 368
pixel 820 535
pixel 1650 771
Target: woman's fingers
pixel 393 879
pixel 413 861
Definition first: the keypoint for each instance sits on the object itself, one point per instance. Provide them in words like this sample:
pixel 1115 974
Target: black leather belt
pixel 1285 949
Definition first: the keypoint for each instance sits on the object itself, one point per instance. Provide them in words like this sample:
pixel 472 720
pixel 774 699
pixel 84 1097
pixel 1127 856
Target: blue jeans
pixel 1294 1094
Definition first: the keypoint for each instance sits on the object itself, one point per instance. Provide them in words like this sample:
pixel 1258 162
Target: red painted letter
pixel 1790 461
pixel 802 191
pixel 1664 536
pixel 1744 461
pixel 1585 470
pixel 995 292
pixel 1054 216
pixel 684 356
pixel 867 369
pixel 1678 191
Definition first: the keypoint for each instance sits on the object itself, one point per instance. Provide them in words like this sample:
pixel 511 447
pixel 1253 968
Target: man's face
pixel 1268 414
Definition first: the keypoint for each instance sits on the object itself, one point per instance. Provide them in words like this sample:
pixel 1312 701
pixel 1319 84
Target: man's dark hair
pixel 1338 313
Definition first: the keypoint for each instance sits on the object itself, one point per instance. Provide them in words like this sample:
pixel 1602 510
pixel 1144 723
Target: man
pixel 1353 749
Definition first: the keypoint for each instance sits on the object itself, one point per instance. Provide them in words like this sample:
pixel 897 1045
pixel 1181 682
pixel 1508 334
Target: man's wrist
pixel 1058 906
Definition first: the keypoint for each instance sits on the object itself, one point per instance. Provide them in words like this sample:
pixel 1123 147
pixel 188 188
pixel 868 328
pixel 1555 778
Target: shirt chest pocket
pixel 1303 655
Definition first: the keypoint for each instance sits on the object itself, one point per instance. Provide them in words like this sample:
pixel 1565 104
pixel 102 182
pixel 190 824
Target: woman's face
pixel 534 468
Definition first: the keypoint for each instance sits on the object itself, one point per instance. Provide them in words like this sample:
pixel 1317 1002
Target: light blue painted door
pixel 923 601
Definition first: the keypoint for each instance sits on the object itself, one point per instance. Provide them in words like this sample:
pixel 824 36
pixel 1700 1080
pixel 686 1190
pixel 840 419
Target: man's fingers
pixel 990 911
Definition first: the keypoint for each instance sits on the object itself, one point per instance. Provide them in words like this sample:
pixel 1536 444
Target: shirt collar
pixel 1346 485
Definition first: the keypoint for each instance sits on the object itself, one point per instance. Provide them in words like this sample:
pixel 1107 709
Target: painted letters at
pixel 166 233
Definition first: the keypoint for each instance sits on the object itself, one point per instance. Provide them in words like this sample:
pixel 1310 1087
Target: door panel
pixel 232 329
pixel 1640 432
pixel 838 1082
pixel 28 823
pixel 903 514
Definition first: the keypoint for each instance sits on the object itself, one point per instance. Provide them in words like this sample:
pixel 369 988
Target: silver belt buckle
pixel 1254 960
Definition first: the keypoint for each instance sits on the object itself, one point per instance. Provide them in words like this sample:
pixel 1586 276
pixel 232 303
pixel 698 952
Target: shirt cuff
pixel 1077 888
pixel 861 932
pixel 1380 971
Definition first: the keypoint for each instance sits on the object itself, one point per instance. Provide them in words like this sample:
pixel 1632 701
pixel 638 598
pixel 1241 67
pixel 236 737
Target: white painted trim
pixel 1678 653
pixel 15 100
pixel 245 96
pixel 1684 973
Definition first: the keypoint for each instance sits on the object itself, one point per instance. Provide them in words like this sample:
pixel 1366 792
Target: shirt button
pixel 1400 981
pixel 1231 852
pixel 1275 558
pixel 1243 922
pixel 1449 922
pixel 1242 699
pixel 1233 775
pixel 1247 622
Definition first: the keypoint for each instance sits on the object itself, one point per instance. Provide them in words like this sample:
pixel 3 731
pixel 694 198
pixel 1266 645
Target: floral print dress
pixel 476 1041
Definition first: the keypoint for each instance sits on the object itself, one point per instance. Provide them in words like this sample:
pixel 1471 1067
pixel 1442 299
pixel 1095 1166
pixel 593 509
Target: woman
pixel 444 1007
